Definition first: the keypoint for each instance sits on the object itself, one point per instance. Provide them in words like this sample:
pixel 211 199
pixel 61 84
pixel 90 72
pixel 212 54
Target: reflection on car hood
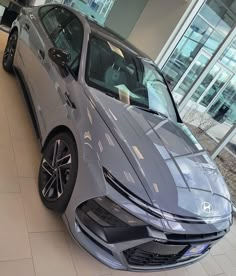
pixel 177 174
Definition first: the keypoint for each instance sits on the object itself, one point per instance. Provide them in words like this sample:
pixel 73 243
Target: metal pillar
pixel 209 66
pixel 225 140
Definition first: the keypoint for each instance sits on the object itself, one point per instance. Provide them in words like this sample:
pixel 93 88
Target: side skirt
pixel 29 102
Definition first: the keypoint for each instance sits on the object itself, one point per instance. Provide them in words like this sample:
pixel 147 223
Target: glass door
pixel 191 75
pixel 223 108
pixel 207 83
pixel 212 86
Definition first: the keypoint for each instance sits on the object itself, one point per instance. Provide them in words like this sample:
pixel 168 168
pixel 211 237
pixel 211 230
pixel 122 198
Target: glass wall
pixel 225 103
pixel 216 95
pixel 97 9
pixel 207 31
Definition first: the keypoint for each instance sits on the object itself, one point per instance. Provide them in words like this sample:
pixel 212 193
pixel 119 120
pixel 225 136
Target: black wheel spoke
pixel 6 53
pixel 64 162
pixel 10 50
pixel 62 150
pixel 47 167
pixel 56 168
pixel 49 185
pixel 60 188
pixel 55 152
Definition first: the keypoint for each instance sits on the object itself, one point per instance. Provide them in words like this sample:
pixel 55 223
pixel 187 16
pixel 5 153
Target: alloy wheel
pixel 56 168
pixel 10 48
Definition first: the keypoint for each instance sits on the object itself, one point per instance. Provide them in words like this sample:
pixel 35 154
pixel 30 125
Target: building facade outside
pixel 99 9
pixel 201 69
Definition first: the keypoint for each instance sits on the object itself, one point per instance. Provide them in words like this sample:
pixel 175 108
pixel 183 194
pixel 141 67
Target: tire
pixel 58 172
pixel 9 52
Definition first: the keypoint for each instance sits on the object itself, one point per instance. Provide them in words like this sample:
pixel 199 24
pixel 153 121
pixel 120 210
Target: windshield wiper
pixel 152 111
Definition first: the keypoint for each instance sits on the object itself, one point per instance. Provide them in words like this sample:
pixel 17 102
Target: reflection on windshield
pixel 128 78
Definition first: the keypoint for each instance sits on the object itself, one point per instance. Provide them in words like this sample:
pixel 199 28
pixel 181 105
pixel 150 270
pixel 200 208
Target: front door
pixel 57 28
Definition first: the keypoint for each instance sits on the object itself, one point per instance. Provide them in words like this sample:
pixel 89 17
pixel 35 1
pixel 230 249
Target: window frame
pixel 55 33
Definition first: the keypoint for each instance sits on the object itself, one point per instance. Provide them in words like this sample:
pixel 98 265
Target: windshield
pixel 128 78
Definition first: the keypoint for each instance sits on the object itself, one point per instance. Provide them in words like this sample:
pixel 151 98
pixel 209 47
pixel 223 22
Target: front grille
pixel 156 254
pixel 197 237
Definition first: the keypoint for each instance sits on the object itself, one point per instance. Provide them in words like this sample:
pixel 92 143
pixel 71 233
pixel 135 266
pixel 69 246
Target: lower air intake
pixel 156 254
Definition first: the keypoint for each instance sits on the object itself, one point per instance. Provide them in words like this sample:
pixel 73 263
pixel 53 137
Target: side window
pixel 70 38
pixel 44 10
pixel 54 19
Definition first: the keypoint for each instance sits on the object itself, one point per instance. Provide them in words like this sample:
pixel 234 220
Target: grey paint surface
pixel 172 173
pixel 124 15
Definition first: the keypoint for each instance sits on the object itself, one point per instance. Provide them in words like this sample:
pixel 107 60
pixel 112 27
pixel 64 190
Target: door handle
pixel 32 16
pixel 69 102
pixel 41 54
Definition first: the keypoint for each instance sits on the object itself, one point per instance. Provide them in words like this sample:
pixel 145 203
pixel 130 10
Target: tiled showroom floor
pixel 33 241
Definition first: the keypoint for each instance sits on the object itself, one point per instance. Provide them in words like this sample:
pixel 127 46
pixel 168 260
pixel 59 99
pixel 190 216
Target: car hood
pixel 177 174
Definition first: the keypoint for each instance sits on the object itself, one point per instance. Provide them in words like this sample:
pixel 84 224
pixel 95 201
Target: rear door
pixel 60 28
pixel 29 40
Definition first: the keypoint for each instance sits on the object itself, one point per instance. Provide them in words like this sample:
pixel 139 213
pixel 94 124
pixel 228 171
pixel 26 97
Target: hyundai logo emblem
pixel 207 207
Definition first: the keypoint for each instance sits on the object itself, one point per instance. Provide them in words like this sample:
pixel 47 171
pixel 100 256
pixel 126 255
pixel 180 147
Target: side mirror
pixel 59 57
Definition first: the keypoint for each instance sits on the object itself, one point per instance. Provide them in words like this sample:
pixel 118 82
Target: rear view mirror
pixel 59 57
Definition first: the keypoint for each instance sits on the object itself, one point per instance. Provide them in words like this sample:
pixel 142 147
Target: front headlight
pixel 108 214
pixel 108 220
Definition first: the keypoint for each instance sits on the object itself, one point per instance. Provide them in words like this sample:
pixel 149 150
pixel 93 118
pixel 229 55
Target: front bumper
pixel 138 255
pixel 123 251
